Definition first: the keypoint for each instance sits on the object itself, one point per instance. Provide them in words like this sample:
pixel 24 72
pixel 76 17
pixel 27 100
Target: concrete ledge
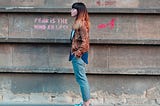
pixel 91 10
pixel 46 70
pixel 92 41
pixel 125 10
pixel 125 41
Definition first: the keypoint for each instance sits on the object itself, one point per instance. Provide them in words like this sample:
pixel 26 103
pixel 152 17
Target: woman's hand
pixel 77 54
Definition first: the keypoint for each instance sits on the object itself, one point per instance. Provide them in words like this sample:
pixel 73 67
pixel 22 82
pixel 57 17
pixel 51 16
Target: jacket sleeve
pixel 85 41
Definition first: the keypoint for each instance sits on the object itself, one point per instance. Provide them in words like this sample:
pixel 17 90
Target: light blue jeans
pixel 81 78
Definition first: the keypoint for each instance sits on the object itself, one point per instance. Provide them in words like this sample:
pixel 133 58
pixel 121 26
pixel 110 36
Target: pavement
pixel 68 105
pixel 42 105
pixel 32 105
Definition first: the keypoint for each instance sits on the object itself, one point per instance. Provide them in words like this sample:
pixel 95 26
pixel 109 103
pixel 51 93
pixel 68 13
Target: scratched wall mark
pixel 105 3
pixel 3 25
pixel 27 2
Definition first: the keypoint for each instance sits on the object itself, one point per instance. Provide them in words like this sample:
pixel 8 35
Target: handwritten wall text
pixel 50 23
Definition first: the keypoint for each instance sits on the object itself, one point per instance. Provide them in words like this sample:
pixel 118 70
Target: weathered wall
pixel 61 88
pixel 104 59
pixel 55 28
pixel 90 3
pixel 54 32
pixel 124 60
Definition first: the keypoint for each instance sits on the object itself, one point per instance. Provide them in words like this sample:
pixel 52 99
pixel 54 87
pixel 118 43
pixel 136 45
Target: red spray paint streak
pixel 110 24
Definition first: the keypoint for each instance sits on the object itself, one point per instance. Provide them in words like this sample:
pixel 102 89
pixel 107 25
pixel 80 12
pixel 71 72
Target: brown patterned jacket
pixel 80 41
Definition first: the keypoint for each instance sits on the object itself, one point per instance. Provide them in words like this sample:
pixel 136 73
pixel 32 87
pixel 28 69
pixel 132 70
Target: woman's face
pixel 74 12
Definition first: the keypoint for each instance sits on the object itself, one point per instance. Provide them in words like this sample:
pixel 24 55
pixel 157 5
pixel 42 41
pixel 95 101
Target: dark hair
pixel 82 14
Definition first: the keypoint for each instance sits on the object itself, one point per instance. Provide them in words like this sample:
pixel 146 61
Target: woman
pixel 79 49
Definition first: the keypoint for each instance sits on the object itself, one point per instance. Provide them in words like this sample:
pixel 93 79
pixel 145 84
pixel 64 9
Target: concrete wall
pixel 53 28
pixel 123 68
pixel 104 59
pixel 90 3
pixel 61 89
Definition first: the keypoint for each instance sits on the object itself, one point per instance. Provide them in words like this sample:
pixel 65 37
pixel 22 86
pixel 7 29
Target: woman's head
pixel 79 11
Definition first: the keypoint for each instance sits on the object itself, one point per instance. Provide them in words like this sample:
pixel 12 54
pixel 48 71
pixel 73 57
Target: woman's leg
pixel 81 78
